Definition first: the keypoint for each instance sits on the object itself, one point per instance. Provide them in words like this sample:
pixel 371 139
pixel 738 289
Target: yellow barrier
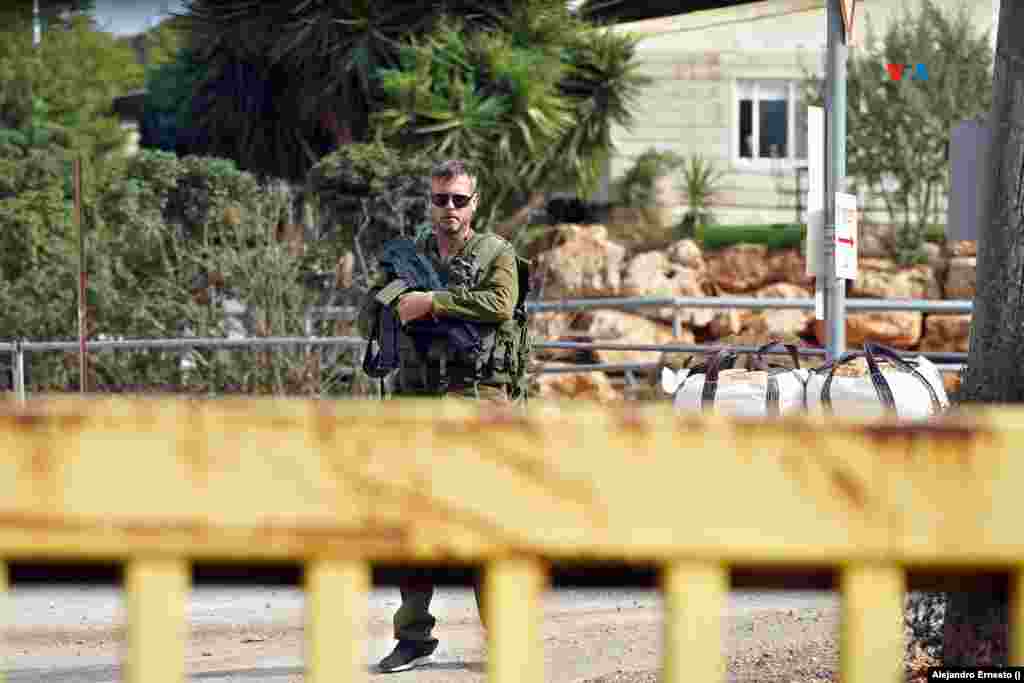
pixel 337 485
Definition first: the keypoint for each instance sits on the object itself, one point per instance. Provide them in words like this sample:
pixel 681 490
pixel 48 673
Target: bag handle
pixel 894 357
pixel 878 380
pixel 714 365
pixel 726 358
pixel 872 352
pixel 761 364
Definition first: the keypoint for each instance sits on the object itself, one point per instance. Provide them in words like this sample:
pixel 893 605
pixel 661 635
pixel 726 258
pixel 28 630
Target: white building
pixel 725 86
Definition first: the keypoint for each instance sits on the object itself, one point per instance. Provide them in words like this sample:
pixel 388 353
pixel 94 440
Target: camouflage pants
pixel 413 620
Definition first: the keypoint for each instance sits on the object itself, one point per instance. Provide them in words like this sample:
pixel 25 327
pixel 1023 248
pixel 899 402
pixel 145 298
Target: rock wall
pixel 583 262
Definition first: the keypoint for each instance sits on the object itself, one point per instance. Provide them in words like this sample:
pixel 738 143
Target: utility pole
pixel 835 176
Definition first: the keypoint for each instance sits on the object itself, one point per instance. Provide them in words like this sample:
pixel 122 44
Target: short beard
pixel 454 237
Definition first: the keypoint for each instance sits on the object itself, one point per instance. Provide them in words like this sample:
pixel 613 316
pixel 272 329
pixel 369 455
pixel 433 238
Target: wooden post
pixel 871 646
pixel 5 608
pixel 513 594
pixel 695 595
pixel 157 593
pixel 336 613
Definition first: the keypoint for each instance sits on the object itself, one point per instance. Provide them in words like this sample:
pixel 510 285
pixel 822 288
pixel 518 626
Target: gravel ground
pixel 258 637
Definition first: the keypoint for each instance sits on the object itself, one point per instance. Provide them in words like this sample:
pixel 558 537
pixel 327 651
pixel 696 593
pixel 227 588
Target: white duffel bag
pixel 717 386
pixel 888 385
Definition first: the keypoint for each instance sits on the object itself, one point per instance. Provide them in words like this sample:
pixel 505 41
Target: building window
pixel 771 123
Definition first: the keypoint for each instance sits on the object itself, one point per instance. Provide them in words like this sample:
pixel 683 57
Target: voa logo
pixel 913 72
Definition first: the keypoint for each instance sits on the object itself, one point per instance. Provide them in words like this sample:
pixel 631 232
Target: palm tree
pixel 287 81
pixel 532 101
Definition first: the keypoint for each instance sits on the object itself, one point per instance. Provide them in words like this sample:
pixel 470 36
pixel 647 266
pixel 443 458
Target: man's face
pixel 449 219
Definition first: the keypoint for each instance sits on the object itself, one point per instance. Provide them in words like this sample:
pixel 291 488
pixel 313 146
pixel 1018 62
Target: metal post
pixel 631 384
pixel 19 372
pixel 835 177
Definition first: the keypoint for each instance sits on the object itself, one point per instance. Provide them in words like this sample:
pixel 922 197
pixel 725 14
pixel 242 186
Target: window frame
pixel 764 164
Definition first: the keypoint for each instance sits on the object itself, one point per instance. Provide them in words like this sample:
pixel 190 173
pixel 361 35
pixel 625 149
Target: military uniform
pixel 483 286
pixel 477 292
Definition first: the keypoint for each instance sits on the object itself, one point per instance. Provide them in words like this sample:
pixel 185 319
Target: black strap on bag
pixel 726 358
pixel 722 359
pixel 761 364
pixel 871 353
pixel 382 356
pixel 909 366
pixel 774 395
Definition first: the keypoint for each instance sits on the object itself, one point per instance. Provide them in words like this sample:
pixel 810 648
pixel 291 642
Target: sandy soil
pixel 601 640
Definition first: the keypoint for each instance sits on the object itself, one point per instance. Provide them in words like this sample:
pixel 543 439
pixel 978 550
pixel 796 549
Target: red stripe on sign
pixel 845 240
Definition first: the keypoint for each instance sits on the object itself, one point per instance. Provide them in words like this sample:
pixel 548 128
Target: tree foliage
pixel 531 102
pixel 170 243
pixel 898 131
pixel 286 82
pixel 368 194
pixel 61 91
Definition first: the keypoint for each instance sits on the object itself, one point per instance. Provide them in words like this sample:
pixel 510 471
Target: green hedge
pixel 778 235
pixel 775 235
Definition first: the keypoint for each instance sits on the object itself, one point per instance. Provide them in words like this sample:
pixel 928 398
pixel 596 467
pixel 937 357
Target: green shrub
pixel 636 186
pixel 371 191
pixel 168 240
pixel 774 236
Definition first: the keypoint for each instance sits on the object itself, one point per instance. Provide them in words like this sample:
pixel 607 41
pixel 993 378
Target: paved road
pixel 254 635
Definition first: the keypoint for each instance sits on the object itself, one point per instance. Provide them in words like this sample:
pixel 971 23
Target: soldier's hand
pixel 415 305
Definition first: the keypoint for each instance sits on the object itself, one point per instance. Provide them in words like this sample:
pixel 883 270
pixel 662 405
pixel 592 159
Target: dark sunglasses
pixel 459 200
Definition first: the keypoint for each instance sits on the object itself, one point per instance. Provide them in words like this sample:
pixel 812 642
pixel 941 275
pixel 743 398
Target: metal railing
pixel 947 361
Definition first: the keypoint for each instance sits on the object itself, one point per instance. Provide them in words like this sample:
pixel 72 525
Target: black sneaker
pixel 408 654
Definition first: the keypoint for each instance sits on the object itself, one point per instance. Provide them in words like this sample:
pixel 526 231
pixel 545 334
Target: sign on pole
pixel 815 200
pixel 846 236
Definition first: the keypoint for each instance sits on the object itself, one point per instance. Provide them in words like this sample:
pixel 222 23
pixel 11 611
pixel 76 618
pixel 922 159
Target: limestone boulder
pixel 552 326
pixel 726 322
pixel 654 274
pixel 783 322
pixel 789 265
pixel 961 277
pixel 688 254
pixel 585 263
pixel 740 268
pixel 947 333
pixel 899 329
pixel 626 328
pixel 576 386
pixel 879 278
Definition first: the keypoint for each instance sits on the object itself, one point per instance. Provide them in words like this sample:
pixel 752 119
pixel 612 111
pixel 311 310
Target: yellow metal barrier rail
pixel 157 485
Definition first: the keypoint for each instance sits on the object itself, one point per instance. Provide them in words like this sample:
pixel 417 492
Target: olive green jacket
pixel 490 299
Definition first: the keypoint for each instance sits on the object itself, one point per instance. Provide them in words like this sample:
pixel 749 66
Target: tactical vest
pixel 505 347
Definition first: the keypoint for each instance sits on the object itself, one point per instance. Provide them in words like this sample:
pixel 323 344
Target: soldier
pixel 483 287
